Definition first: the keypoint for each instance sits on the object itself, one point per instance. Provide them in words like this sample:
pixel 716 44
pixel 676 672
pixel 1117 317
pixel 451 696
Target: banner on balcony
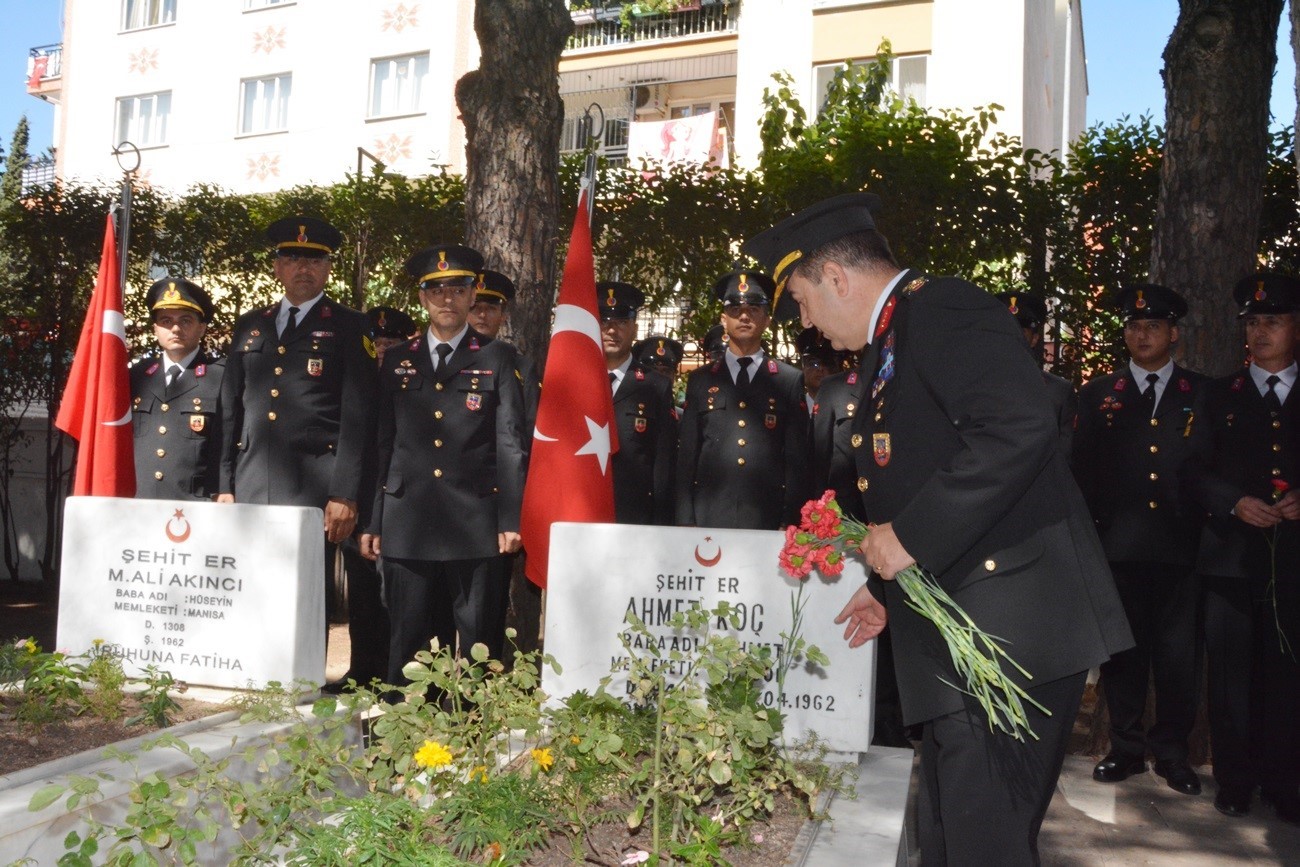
pixel 698 140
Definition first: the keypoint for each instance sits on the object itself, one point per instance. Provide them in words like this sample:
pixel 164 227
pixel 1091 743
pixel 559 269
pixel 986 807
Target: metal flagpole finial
pixel 126 154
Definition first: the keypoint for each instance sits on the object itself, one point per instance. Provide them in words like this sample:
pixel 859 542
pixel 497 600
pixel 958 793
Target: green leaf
pixel 45 796
pixel 720 772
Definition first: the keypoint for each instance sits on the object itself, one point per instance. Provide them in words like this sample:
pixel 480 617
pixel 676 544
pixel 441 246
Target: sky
pixel 1123 39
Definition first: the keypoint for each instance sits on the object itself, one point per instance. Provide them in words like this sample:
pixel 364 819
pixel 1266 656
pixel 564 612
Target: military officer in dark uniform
pixel 658 353
pixel 176 399
pixel 299 384
pixel 494 292
pixel 817 360
pixel 714 343
pixel 643 466
pixel 1132 438
pixel 451 464
pixel 368 633
pixel 1243 472
pixel 959 467
pixel 743 450
pixel 1030 312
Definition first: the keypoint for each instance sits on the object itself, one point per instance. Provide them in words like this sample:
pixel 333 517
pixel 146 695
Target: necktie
pixel 1270 397
pixel 173 377
pixel 290 325
pixel 1149 393
pixel 443 350
pixel 742 378
pixel 613 381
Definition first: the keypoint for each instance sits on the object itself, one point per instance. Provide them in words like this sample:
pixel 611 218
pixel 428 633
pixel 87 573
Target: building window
pixel 264 104
pixel 147 13
pixel 250 5
pixel 612 144
pixel 142 120
pixel 906 77
pixel 397 85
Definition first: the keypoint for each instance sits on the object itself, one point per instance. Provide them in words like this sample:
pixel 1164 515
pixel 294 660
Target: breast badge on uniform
pixel 769 421
pixel 197 422
pixel 315 366
pixel 473 402
pixel 640 425
pixel 880 448
pixel 886 366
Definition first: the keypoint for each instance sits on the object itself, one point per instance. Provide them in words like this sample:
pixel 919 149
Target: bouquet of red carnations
pixel 825 537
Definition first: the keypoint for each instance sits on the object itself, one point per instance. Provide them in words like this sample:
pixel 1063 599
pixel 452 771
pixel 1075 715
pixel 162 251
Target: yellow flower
pixel 31 646
pixel 98 642
pixel 479 774
pixel 432 755
pixel 575 740
pixel 543 758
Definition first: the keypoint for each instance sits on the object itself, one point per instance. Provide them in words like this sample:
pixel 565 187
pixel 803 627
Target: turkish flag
pixel 569 476
pixel 96 407
pixel 39 66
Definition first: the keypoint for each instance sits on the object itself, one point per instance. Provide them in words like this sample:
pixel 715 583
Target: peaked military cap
pixel 618 300
pixel 493 287
pixel 1030 310
pixel 177 293
pixel 757 289
pixel 811 343
pixel 303 237
pixel 390 322
pixel 450 262
pixel 1149 301
pixel 781 247
pixel 715 340
pixel 658 349
pixel 1267 292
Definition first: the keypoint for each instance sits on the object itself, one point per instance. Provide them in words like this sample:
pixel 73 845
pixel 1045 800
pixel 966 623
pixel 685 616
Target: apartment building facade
pixel 256 95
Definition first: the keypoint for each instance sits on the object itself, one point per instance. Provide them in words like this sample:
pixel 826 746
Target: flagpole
pixel 125 150
pixel 588 181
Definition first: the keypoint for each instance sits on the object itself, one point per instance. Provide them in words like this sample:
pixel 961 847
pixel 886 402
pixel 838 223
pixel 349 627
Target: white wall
pixel 326 44
pixel 773 35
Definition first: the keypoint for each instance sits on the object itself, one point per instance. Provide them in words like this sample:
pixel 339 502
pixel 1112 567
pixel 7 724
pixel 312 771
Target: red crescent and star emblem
pixel 184 533
pixel 708 562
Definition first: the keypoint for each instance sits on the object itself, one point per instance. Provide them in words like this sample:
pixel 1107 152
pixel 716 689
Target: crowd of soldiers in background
pixel 413 438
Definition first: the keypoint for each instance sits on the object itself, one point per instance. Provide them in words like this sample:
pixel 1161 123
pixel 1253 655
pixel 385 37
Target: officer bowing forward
pixel 450 467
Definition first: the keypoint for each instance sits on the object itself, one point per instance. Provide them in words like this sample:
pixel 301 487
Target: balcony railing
pixel 44 63
pixel 601 26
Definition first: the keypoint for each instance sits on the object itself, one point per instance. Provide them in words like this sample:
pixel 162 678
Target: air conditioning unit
pixel 649 97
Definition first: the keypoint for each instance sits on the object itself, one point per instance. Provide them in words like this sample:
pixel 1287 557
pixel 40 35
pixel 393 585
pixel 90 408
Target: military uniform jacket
pixel 647 449
pixel 298 415
pixel 177 435
pixel 742 457
pixel 451 453
pixel 964 459
pixel 838 401
pixel 1066 404
pixel 1239 447
pixel 1127 462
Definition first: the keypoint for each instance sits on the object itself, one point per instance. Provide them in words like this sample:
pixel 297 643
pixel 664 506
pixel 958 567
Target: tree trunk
pixel 1295 51
pixel 1218 76
pixel 512 112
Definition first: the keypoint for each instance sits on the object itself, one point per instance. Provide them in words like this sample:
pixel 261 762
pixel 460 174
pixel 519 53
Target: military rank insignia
pixel 473 402
pixel 197 422
pixel 201 370
pixel 315 366
pixel 880 448
pixel 369 345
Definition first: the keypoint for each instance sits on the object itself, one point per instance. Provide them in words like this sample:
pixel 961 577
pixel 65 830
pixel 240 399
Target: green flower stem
pixel 976 655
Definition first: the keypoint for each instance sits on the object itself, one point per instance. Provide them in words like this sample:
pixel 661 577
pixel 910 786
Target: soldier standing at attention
pixel 1131 441
pixel 300 379
pixel 643 466
pixel 176 399
pixel 1243 472
pixel 743 451
pixel 658 353
pixel 368 634
pixel 1030 312
pixel 494 292
pixel 451 464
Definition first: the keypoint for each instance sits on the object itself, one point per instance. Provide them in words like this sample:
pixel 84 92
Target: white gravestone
pixel 601 572
pixel 216 594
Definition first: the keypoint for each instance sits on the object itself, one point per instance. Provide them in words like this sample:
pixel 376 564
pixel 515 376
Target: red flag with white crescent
pixel 569 475
pixel 96 406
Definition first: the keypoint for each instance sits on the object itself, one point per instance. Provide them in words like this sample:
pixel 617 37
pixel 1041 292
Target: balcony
pixel 45 72
pixel 606 24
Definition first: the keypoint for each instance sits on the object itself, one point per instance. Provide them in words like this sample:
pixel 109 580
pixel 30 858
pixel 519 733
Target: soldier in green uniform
pixel 1130 444
pixel 743 448
pixel 176 399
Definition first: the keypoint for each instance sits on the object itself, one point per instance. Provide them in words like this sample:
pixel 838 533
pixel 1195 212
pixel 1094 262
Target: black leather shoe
pixel 1179 775
pixel 1231 803
pixel 1287 807
pixel 337 687
pixel 1116 768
